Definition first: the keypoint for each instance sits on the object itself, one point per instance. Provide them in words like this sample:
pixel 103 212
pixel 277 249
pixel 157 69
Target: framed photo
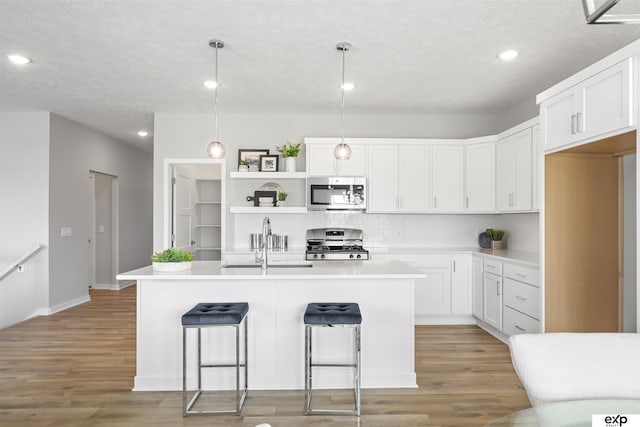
pixel 269 163
pixel 252 156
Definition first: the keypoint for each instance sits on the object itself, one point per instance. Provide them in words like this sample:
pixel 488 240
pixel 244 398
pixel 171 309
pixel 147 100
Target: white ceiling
pixel 112 64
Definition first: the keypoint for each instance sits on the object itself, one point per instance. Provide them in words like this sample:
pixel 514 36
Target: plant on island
pixel 290 149
pixel 172 255
pixel 495 234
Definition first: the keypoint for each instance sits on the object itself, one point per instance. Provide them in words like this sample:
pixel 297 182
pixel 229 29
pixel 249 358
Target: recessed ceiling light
pixel 18 59
pixel 210 84
pixel 347 86
pixel 508 55
pixel 143 133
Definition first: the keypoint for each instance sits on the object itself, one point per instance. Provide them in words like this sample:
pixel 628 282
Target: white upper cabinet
pixel 514 171
pixel 600 105
pixel 413 174
pixel 447 172
pixel 382 185
pixel 480 177
pixel 322 162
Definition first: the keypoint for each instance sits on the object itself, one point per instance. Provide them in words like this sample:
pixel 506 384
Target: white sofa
pixel 556 367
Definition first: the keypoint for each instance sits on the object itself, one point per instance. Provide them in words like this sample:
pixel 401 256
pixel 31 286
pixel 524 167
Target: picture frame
pixel 269 162
pixel 252 156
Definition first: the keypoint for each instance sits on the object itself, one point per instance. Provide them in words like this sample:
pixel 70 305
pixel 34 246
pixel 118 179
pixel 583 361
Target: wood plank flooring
pixel 76 368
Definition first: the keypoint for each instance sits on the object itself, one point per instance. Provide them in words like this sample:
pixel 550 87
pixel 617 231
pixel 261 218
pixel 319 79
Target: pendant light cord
pixel 342 88
pixel 215 108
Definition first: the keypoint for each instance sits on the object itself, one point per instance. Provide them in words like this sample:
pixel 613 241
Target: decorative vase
pixel 243 168
pixel 496 245
pixel 171 266
pixel 290 164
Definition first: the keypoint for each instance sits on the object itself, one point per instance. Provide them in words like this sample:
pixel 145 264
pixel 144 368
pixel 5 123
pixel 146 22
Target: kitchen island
pixel 277 299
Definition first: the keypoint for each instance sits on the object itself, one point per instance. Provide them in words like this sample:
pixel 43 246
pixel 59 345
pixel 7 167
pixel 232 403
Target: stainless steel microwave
pixel 336 193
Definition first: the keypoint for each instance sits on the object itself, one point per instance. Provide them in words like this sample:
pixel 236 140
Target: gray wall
pixel 24 204
pixel 629 242
pixel 75 150
pixel 180 136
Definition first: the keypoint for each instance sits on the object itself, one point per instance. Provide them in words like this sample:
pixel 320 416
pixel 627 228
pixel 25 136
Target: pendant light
pixel 215 149
pixel 342 150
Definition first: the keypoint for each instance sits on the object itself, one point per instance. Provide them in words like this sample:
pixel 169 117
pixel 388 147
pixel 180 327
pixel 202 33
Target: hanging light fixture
pixel 215 149
pixel 599 15
pixel 342 150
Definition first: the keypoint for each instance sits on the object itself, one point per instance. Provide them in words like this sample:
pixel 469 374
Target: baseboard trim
pixel 68 304
pixel 113 286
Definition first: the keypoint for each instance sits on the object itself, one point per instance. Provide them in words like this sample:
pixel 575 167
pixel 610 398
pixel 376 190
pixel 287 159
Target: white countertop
pixel 212 270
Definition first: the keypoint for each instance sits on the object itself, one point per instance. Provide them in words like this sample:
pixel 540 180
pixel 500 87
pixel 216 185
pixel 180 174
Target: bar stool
pixel 209 315
pixel 331 315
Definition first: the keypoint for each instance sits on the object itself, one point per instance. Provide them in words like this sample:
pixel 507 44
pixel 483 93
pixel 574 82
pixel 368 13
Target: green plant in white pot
pixel 289 152
pixel 172 259
pixel 496 237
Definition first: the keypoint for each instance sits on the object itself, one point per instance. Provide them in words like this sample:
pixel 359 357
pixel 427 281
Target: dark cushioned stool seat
pixel 332 313
pixel 209 313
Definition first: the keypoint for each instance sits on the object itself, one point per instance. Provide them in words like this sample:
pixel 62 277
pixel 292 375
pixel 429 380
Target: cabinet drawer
pixel 515 322
pixel 522 274
pixel 493 266
pixel 522 297
pixel 425 261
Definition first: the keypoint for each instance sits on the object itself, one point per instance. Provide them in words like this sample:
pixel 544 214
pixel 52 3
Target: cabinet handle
pixel 510 199
pixel 398 202
pixel 519 328
pixel 573 124
pixel 521 275
pixel 454 266
pixel 435 202
pixel 521 298
pixel 467 201
pixel 497 288
pixel 579 122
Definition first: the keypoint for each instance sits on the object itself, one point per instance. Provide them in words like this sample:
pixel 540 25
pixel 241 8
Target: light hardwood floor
pixel 76 368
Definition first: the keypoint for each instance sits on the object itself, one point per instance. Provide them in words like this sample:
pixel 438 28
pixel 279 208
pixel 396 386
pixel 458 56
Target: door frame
pixel 115 227
pixel 167 195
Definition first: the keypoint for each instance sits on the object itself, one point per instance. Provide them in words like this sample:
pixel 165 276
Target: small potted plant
pixel 289 152
pixel 244 166
pixel 496 237
pixel 282 196
pixel 172 259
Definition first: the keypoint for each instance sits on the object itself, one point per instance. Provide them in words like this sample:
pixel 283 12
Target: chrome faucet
pixel 266 232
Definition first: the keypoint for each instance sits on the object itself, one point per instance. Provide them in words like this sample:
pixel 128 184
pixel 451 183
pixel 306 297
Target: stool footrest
pixel 232 365
pixel 334 365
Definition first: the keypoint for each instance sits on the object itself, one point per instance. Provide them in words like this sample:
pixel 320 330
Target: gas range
pixel 335 244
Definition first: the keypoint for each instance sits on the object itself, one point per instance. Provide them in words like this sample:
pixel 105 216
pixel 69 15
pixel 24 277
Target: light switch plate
pixel 101 229
pixel 66 231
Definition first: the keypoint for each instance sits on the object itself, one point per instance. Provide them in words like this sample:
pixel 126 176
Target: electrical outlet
pixel 20 269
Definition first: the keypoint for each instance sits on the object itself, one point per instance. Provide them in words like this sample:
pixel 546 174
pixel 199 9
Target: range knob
pixel 351 256
pixel 315 256
pixel 359 256
pixel 322 256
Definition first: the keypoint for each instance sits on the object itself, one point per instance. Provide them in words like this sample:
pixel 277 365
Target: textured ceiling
pixel 111 64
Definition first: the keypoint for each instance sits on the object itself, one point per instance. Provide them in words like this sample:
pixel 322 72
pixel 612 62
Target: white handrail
pixel 31 252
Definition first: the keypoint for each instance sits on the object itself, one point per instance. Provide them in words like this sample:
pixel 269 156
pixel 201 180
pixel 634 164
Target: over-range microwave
pixel 336 193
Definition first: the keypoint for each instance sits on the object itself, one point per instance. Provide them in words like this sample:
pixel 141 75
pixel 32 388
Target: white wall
pixel 24 206
pixel 75 150
pixel 187 135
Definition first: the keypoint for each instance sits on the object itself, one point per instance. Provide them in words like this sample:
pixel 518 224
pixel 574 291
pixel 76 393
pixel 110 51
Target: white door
pixel 461 284
pixel 557 114
pixel 91 280
pixel 480 177
pixel 383 179
pixel 182 209
pixel 413 175
pixel 322 161
pixel 514 172
pixel 448 183
pixel 433 294
pixel 356 165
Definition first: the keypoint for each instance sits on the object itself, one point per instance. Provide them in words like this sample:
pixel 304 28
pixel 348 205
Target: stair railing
pixel 20 261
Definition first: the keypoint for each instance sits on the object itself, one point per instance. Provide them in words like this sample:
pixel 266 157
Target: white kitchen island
pixel 277 299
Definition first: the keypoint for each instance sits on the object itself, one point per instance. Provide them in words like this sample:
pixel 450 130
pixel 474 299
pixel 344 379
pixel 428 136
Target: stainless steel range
pixel 335 244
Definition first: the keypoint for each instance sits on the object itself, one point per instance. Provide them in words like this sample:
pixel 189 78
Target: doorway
pixel 590 237
pixel 103 231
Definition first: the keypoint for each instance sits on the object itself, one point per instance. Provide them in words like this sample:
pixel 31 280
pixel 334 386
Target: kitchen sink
pixel 275 265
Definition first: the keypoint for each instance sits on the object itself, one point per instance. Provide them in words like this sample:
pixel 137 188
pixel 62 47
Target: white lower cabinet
pixel 444 296
pixel 511 296
pixel 477 286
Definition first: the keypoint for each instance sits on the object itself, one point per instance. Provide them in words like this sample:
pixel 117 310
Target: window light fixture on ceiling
pixel 342 150
pixel 216 149
pixel 598 14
